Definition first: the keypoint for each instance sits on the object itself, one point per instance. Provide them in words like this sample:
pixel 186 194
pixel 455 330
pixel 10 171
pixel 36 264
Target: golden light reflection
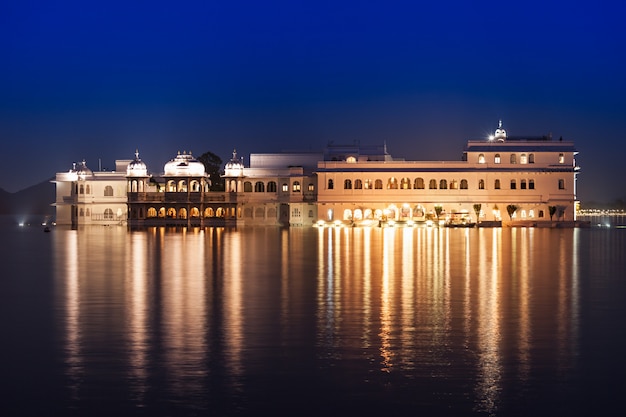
pixel 137 306
pixel 386 308
pixel 234 338
pixel 184 310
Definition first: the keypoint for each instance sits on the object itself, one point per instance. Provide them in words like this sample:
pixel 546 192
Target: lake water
pixel 308 321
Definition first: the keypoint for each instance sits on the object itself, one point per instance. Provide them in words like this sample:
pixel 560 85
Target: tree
pixel 438 210
pixel 477 208
pixel 511 209
pixel 213 167
pixel 551 210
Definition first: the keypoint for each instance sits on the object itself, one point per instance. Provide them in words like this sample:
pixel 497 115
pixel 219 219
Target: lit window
pixel 392 184
pixel 523 159
pixel 481 159
pixel 496 160
pixel 351 159
pixel 285 187
pixel 561 158
pixel 311 187
pixel 296 187
pixel 367 184
pixel 453 185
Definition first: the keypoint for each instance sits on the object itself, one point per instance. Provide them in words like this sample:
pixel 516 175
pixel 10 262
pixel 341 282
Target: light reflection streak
pixel 386 314
pixel 234 338
pixel 526 262
pixel 184 311
pixel 367 285
pixel 407 294
pixel 74 354
pixel 136 302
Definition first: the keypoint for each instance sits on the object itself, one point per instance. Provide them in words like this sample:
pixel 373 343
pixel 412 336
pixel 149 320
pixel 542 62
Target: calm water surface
pixel 307 321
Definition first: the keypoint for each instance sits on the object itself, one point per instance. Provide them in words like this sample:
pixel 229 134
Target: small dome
pixel 137 168
pixel 82 171
pixel 234 167
pixel 184 165
pixel 500 134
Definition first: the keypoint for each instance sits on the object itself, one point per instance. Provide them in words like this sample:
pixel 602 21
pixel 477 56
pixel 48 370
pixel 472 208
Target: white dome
pixel 500 132
pixel 184 165
pixel 234 167
pixel 82 171
pixel 137 168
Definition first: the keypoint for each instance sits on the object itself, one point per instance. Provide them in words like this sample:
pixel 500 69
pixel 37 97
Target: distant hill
pixel 35 200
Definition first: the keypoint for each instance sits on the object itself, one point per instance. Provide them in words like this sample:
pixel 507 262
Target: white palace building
pixel 499 181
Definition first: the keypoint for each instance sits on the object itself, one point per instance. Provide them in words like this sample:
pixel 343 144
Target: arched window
pixel 182 186
pixel 443 184
pixel 295 187
pixel 513 185
pixel 358 184
pixel 247 187
pixel 194 212
pixel 481 159
pixel 161 212
pixel 481 184
pixel 195 186
pixel 152 212
pixel 171 212
pixel 378 184
pixel 347 184
pixel 347 214
pixel 531 184
pixel 330 184
pixel 432 184
pixel 463 184
pixel 561 184
pixel 392 184
pixel 523 159
pixel 419 184
pixel 108 214
pixel 561 158
pixel 351 159
pixel 88 189
pixel 81 212
pixel 522 184
pixel 171 186
pixel 513 159
pixel 285 187
pixel 367 184
pixel 311 187
pixel 108 191
pixel 271 187
pixel 454 185
pixel 208 212
pixel 405 184
pixel 81 189
pixel 259 187
pixel 531 158
pixel 496 159
pixel 496 184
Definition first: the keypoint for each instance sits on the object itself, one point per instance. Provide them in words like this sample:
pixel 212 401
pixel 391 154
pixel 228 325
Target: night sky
pixel 96 80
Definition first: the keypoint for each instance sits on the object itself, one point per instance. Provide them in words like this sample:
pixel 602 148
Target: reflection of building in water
pixel 521 180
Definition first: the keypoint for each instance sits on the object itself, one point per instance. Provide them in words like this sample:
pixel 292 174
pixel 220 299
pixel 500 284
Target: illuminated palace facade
pixel 500 180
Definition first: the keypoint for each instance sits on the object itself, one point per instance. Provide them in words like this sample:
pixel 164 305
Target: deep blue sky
pixel 95 80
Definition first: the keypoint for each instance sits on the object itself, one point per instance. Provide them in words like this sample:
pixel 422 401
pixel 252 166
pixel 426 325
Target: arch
pixel 432 184
pixel 295 187
pixel 108 191
pixel 259 187
pixel 151 212
pixel 496 184
pixel 358 184
pixel 171 212
pixel 247 212
pixel 481 184
pixel 171 186
pixel 162 212
pixel 331 184
pixel 259 213
pixel 209 212
pixel 392 183
pixel 368 214
pixel 443 184
pixel 271 213
pixel 405 184
pixel 81 189
pixel 523 159
pixel 378 214
pixel 463 184
pixel 405 212
pixel 108 214
pixel 351 160
pixel 496 159
pixel 182 213
pixel 419 212
pixel 454 185
pixel 271 187
pixel 367 184
pixel 219 212
pixel 88 189
pixel 419 183
pixel 378 184
pixel 247 187
pixel 347 184
pixel 481 158
pixel 531 158
pixel 358 214
pixel 194 186
pixel 513 158
pixel 182 186
pixel 347 214
pixel 194 212
pixel 531 184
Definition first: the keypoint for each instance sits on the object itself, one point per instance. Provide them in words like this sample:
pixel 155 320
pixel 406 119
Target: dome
pixel 137 168
pixel 500 134
pixel 184 165
pixel 82 171
pixel 234 167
